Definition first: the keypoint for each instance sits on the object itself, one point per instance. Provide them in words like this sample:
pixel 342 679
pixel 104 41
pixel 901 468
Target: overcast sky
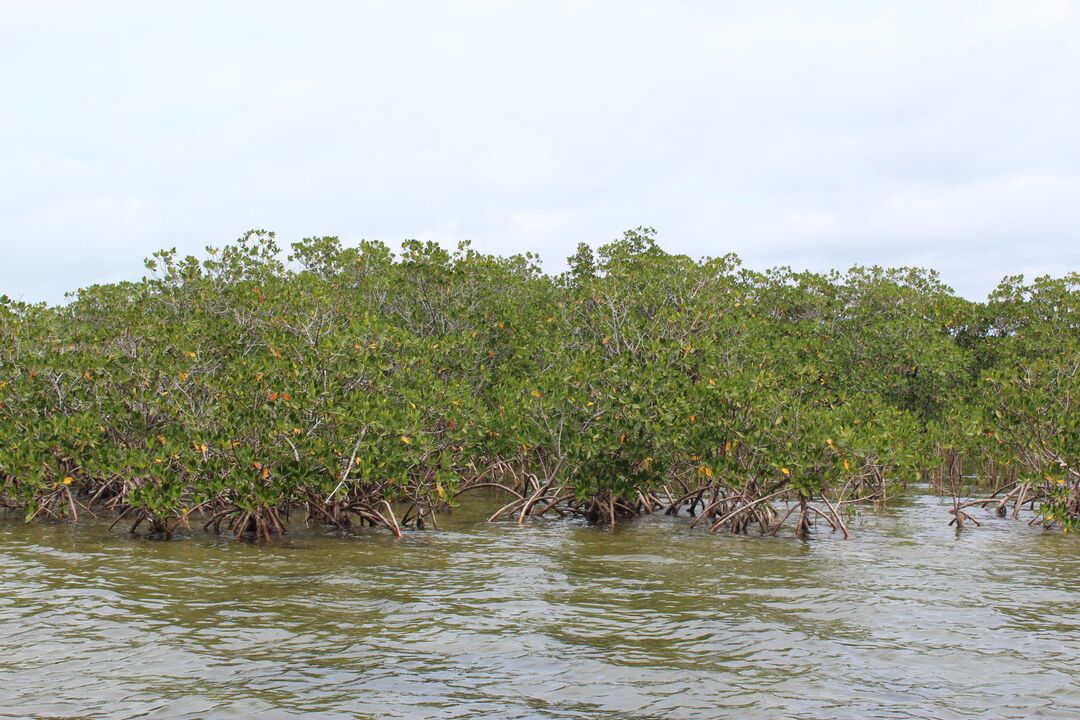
pixel 810 134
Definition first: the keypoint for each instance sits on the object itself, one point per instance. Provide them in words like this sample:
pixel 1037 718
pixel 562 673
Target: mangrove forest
pixel 354 386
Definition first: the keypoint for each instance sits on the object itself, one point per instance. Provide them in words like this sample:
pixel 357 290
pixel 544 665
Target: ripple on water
pixel 546 620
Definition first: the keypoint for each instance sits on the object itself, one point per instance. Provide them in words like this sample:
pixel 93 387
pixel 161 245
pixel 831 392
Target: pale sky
pixel 810 134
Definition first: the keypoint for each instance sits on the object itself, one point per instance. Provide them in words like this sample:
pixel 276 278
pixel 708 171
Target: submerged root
pixel 157 527
pixel 57 503
pixel 260 523
pixel 349 514
pixel 737 512
pixel 603 508
pixel 723 507
pixel 1050 502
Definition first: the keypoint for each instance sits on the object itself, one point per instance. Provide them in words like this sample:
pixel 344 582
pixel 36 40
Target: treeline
pixel 362 387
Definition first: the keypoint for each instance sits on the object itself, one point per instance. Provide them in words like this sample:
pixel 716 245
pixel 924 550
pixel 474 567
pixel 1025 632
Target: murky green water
pixel 548 620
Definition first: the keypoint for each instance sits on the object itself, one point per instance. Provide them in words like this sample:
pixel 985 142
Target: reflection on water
pixel 547 620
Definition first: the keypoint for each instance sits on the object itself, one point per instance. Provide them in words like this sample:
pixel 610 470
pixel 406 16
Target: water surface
pixel 548 620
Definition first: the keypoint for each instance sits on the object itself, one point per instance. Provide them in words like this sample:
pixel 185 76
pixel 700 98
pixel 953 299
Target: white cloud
pixel 817 135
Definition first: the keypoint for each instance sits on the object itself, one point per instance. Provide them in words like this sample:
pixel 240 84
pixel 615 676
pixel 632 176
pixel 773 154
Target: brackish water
pixel 548 620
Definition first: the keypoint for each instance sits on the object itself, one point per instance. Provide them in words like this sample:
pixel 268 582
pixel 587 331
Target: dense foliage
pixel 351 382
